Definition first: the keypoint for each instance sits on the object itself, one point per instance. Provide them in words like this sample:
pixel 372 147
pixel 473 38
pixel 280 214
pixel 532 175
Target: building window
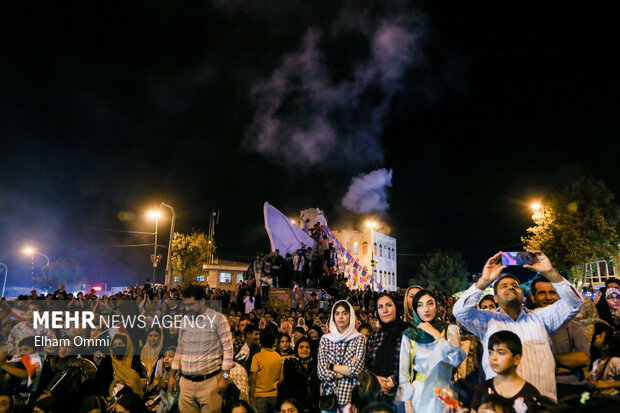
pixel 355 248
pixel 225 277
pixel 375 248
pixel 176 279
pixel 239 277
pixel 200 278
pixel 364 248
pixel 380 250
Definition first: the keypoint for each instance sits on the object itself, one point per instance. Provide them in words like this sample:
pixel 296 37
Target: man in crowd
pixel 27 329
pixel 251 347
pixel 204 356
pixel 569 345
pixel 533 327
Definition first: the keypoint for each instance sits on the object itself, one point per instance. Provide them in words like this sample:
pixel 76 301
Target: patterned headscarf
pixel 419 335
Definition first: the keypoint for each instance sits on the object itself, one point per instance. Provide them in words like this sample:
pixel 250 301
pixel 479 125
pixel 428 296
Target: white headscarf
pixel 337 337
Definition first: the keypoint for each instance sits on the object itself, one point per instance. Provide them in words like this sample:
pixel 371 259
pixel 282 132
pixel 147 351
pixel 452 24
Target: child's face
pixel 25 351
pixel 168 357
pixel 501 358
pixel 488 408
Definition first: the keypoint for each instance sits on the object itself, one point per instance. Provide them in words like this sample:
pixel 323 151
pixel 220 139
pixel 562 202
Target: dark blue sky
pixel 114 107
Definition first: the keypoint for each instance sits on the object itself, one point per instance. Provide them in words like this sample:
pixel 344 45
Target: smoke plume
pixel 305 116
pixel 369 192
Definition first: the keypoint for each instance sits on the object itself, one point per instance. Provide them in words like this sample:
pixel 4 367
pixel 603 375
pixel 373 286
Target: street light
pixel 372 225
pixel 6 274
pixel 538 207
pixel 155 258
pixel 169 279
pixel 31 251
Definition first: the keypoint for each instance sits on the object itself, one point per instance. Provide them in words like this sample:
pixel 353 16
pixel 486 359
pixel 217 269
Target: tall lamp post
pixel 32 252
pixel 6 274
pixel 169 279
pixel 373 263
pixel 155 258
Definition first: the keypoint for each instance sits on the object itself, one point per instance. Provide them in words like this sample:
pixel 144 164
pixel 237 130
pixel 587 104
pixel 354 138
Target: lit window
pixel 364 248
pixel 355 248
pixel 176 279
pixel 225 277
pixel 239 277
pixel 200 278
pixel 375 248
pixel 380 250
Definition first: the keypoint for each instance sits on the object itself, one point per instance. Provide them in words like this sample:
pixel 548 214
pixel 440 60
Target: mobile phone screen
pixel 517 258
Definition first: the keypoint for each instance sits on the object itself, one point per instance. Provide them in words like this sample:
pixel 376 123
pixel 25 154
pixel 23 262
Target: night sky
pixel 478 108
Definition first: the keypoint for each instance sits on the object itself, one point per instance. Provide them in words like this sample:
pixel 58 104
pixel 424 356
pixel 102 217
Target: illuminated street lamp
pixel 6 274
pixel 155 258
pixel 168 280
pixel 372 225
pixel 32 252
pixel 538 208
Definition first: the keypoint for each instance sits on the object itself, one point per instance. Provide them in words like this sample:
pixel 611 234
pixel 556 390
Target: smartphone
pixel 517 258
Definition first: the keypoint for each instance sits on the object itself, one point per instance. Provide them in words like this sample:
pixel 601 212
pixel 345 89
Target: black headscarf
pixel 392 334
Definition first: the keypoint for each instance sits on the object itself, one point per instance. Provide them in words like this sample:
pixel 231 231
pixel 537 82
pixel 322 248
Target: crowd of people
pixel 334 350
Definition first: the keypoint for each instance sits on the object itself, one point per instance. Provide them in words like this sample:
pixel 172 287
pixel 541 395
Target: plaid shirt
pixel 372 346
pixel 204 350
pixel 350 354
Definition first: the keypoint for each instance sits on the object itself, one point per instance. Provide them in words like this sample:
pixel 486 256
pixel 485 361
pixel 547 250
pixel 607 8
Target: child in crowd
pixel 605 375
pixel 505 352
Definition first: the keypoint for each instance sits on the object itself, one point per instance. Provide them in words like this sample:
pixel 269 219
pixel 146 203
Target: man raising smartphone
pixel 533 327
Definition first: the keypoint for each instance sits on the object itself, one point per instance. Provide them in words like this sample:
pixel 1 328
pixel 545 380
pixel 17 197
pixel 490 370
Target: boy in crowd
pixel 504 356
pixel 265 374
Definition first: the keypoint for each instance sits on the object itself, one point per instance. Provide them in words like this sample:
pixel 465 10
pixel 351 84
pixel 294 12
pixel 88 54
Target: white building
pixel 371 244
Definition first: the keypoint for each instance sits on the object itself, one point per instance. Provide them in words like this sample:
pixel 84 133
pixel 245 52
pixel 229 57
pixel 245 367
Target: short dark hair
pixel 538 280
pixel 366 326
pixel 488 297
pixel 28 341
pixel 267 338
pixel 379 407
pixel 195 291
pixel 503 276
pixel 299 329
pixel 249 329
pixel 510 339
pixel 612 280
pixel 366 391
pixel 497 401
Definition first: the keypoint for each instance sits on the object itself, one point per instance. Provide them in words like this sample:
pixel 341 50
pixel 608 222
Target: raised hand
pixel 491 271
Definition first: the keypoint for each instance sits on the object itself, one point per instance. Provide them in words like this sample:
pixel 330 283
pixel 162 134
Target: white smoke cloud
pixel 305 118
pixel 369 192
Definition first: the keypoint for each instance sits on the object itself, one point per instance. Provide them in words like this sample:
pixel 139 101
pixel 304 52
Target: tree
pixel 445 271
pixel 577 225
pixel 189 253
pixel 63 270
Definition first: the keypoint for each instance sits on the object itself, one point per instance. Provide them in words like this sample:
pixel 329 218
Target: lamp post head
pixel 28 251
pixel 371 224
pixel 536 206
pixel 153 214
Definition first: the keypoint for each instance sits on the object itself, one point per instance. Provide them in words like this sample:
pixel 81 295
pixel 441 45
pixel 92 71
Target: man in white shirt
pixel 534 328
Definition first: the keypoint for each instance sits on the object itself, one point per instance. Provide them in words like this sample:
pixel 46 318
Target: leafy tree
pixel 445 271
pixel 189 253
pixel 577 225
pixel 63 270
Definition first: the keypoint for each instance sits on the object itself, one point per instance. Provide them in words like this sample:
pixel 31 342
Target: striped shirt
pixel 204 347
pixel 534 328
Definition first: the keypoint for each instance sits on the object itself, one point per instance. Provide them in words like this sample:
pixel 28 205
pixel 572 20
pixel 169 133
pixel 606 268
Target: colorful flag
pixel 34 366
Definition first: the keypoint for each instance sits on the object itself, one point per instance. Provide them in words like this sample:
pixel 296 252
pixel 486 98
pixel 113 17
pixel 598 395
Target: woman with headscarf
pixel 429 352
pixel 383 347
pixel 341 358
pixel 407 303
pixel 608 306
pixel 119 367
pixel 151 352
pixel 300 377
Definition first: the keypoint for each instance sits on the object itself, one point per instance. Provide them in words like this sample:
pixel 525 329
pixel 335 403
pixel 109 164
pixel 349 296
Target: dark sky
pixel 480 108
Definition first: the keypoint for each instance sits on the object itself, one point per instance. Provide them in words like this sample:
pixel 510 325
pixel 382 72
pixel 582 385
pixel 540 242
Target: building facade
pixel 369 245
pixel 221 274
